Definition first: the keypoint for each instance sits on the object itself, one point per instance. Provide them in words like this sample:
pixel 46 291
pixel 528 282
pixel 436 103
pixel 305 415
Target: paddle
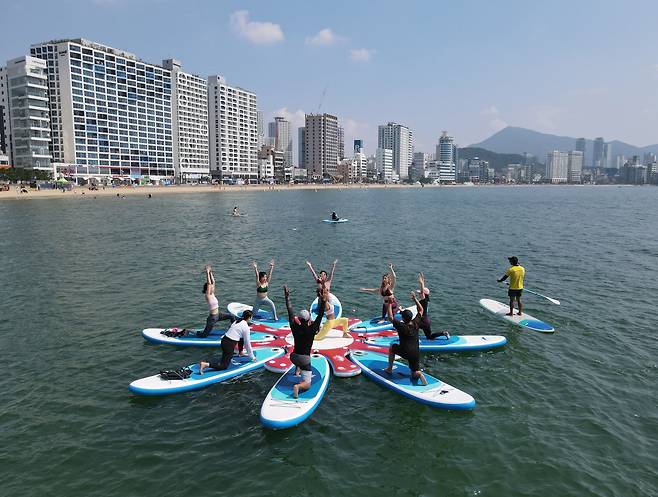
pixel 550 299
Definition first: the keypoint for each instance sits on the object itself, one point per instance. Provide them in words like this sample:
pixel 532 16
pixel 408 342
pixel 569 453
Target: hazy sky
pixel 584 68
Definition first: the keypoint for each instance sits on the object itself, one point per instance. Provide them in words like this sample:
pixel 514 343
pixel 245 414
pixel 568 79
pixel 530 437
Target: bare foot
pixel 509 314
pixel 202 367
pixel 295 391
pixel 520 314
pixel 387 370
pixel 422 379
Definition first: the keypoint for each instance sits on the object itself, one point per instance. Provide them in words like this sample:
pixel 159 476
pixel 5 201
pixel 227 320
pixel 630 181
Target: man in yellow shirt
pixel 515 273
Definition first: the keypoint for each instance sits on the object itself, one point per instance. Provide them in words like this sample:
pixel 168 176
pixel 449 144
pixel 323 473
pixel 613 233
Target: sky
pixel 587 68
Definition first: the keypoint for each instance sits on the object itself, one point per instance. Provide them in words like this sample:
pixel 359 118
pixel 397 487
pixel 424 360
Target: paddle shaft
pixel 550 299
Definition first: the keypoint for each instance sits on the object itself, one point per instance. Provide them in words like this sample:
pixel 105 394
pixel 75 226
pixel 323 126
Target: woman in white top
pixel 213 305
pixel 237 334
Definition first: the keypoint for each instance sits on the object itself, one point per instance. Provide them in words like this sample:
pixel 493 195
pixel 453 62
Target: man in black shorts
pixel 408 334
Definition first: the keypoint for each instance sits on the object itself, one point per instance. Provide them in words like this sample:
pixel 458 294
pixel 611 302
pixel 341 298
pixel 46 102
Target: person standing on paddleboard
pixel 262 282
pixel 515 273
pixel 303 331
pixel 408 348
pixel 213 305
pixel 386 291
pixel 424 299
pixel 238 334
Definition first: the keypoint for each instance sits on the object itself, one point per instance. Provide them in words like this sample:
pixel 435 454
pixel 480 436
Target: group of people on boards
pixel 306 330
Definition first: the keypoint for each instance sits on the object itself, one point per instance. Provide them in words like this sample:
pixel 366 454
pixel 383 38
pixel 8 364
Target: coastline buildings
pixel 575 166
pixel 279 130
pixel 446 158
pixel 557 167
pixel 419 165
pixel 598 152
pixel 300 147
pixel 321 138
pixel 233 122
pixel 398 138
pixel 189 123
pixel 581 146
pixel 384 164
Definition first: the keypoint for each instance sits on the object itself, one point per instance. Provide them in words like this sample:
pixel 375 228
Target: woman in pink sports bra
pixel 386 291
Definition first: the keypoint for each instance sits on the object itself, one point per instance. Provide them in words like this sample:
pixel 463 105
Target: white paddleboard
pixel 281 410
pixel 264 316
pixel 214 339
pixel 524 321
pixel 330 221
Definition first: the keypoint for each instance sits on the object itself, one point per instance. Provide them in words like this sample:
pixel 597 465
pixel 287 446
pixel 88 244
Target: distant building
pixel 233 120
pixel 581 146
pixel 575 166
pixel 557 167
pixel 359 167
pixel 341 143
pixel 300 147
pixel 321 138
pixel 398 138
pixel 384 163
pixel 446 156
pixel 279 131
pixel 260 129
pixel 271 165
pixel 358 146
pixel 607 156
pixel 478 170
pixel 598 159
pixel 633 174
pixel 419 165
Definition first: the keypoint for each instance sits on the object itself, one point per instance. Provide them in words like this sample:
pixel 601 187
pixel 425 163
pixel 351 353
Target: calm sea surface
pixel 569 414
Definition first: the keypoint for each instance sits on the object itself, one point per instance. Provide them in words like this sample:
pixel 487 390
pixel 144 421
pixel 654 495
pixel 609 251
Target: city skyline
pixel 282 38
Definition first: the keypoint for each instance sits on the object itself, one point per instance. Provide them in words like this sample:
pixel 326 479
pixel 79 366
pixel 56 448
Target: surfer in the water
pixel 213 305
pixel 424 299
pixel 408 347
pixel 303 331
pixel 334 216
pixel 515 273
pixel 386 291
pixel 236 211
pixel 322 280
pixel 237 334
pixel 263 280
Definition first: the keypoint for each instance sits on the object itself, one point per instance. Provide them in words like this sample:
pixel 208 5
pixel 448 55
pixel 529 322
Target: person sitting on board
pixel 331 322
pixel 236 211
pixel 321 280
pixel 263 280
pixel 386 291
pixel 408 348
pixel 214 315
pixel 303 331
pixel 424 299
pixel 237 334
pixel 515 273
pixel 334 216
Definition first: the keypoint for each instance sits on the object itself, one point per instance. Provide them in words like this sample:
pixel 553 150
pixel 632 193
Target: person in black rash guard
pixel 425 325
pixel 408 334
pixel 303 331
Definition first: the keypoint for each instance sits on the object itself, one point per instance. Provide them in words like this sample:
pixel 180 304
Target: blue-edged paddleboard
pixel 456 343
pixel 263 316
pixel 331 221
pixel 214 339
pixel 281 410
pixel 338 307
pixel 524 321
pixel 435 393
pixel 156 385
pixel 376 324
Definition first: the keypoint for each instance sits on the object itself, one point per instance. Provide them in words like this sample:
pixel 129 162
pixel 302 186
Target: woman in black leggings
pixel 237 334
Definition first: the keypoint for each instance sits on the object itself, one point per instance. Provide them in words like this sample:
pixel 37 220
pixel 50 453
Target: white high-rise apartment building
pixel 190 122
pixel 25 114
pixel 233 124
pixel 279 130
pixel 575 166
pixel 557 166
pixel 110 111
pixel 384 163
pixel 445 157
pixel 321 145
pixel 359 167
pixel 398 138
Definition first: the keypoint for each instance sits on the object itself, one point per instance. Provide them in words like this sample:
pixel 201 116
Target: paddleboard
pixel 456 343
pixel 281 410
pixel 338 307
pixel 330 221
pixel 263 316
pixel 212 340
pixel 435 393
pixel 524 321
pixel 376 324
pixel 156 385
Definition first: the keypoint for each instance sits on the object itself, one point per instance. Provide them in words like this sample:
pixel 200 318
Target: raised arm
pixel 333 268
pixel 310 268
pixel 255 266
pixel 390 267
pixel 269 274
pixel 421 284
pixel 286 293
pixel 419 307
pixel 370 290
pixel 210 281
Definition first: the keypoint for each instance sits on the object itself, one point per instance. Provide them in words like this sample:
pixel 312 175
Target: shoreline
pixel 78 192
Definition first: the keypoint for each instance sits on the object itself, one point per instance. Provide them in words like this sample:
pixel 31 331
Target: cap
pixel 514 259
pixel 304 315
pixel 407 315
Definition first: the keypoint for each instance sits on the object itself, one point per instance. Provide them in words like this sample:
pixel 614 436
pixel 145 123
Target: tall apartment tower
pixel 279 130
pixel 341 143
pixel 598 152
pixel 321 145
pixel 446 157
pixel 110 112
pixel 581 146
pixel 607 155
pixel 398 138
pixel 189 113
pixel 575 166
pixel 25 114
pixel 233 125
pixel 557 167
pixel 301 152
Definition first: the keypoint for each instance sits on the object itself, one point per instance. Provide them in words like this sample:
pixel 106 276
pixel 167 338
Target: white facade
pixel 359 167
pixel 321 145
pixel 445 156
pixel 110 111
pixel 26 116
pixel 4 113
pixel 398 138
pixel 190 122
pixel 575 166
pixel 233 126
pixel 279 131
pixel 557 166
pixel 384 163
